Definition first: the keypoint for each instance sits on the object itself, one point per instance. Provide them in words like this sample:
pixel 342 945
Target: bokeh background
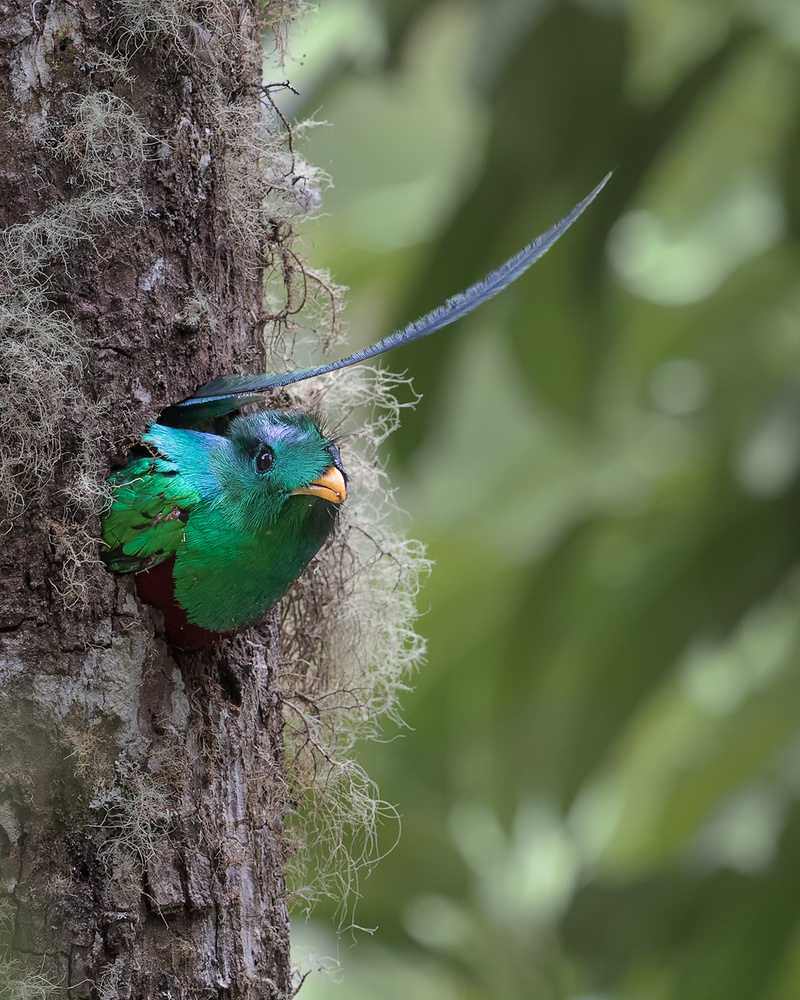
pixel 600 784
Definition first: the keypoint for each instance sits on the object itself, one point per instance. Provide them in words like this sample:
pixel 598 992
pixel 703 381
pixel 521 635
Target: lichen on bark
pixel 141 841
pixel 152 198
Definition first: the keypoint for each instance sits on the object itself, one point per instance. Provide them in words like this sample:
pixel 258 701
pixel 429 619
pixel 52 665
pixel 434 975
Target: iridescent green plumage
pixel 218 526
pixel 147 519
pixel 241 529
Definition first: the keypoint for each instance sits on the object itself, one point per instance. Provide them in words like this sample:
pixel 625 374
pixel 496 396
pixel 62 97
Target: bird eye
pixel 265 459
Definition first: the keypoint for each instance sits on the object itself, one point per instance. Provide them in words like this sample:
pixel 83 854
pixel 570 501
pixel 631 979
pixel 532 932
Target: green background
pixel 599 789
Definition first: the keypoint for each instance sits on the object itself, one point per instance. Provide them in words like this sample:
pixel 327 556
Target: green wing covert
pixel 148 515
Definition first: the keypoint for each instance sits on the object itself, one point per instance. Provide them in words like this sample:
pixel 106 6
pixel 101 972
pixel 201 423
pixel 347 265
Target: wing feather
pixel 146 521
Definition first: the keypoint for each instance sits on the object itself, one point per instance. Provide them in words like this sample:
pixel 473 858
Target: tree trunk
pixel 141 789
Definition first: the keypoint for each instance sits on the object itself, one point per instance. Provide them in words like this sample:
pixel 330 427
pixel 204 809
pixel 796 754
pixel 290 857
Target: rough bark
pixel 141 789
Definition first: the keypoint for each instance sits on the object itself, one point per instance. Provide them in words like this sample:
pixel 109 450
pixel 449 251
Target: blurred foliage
pixel 600 782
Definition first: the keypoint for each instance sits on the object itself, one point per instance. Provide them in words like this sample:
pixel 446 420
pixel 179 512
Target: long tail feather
pixel 232 391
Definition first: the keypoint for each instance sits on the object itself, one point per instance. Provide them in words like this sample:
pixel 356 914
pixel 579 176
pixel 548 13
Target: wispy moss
pixel 349 649
pixel 42 354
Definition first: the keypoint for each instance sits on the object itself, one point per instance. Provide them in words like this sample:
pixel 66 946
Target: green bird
pixel 217 527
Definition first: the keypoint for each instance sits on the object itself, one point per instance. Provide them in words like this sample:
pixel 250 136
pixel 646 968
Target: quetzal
pixel 218 526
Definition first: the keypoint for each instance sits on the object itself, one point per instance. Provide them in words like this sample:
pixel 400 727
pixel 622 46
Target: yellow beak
pixel 329 486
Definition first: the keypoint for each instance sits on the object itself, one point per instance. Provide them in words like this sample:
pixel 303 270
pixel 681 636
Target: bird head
pixel 280 464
